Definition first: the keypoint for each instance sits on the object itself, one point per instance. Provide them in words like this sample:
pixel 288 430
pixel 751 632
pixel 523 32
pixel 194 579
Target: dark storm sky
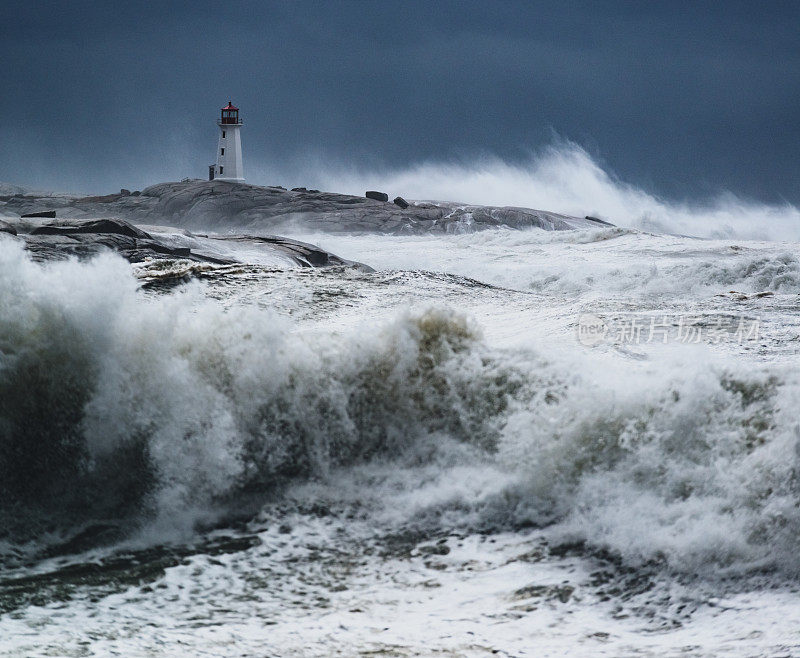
pixel 683 99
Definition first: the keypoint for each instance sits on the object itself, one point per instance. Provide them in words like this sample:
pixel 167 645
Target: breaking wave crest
pixel 565 178
pixel 693 466
pixel 119 405
pixel 115 404
pixel 598 262
pixel 716 273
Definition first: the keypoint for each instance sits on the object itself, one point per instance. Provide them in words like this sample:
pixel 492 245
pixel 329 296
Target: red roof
pixel 230 107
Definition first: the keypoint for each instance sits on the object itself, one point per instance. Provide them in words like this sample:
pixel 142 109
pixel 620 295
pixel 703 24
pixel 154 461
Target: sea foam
pixel 140 409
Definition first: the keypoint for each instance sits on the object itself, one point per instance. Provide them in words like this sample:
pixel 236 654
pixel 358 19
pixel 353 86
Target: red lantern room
pixel 229 147
pixel 230 115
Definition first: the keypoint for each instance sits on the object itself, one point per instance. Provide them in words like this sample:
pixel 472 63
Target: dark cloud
pixel 684 98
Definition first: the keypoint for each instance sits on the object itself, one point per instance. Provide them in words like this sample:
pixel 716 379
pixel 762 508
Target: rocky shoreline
pixel 222 206
pixel 58 239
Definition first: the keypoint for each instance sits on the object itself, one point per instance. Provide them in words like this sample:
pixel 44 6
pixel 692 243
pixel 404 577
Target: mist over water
pixel 562 177
pixel 565 178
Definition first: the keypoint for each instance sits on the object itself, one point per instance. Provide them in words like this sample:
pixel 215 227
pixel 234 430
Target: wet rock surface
pixel 61 239
pixel 225 206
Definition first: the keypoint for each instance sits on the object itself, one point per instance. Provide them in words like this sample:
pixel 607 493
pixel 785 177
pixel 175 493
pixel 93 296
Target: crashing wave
pixel 119 405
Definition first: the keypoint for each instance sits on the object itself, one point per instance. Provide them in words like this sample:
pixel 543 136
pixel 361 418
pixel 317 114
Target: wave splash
pixel 709 274
pixel 119 406
pixel 694 467
pixel 565 178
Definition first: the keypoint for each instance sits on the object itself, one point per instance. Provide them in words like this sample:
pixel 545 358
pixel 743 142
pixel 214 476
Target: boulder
pixel 135 193
pixel 302 253
pixel 377 196
pixel 5 227
pixel 400 201
pixel 42 213
pixel 599 221
pixel 124 192
pixel 112 226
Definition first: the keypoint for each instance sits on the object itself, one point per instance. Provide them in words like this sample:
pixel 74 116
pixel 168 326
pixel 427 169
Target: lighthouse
pixel 229 147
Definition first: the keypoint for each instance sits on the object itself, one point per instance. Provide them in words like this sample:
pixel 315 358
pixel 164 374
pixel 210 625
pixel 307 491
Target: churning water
pixel 421 460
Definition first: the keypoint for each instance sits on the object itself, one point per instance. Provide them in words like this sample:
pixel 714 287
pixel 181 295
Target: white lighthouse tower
pixel 229 149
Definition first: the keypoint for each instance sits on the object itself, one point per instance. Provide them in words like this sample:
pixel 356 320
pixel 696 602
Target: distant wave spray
pixel 565 178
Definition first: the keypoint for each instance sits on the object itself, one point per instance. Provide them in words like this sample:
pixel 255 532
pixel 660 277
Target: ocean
pixel 510 443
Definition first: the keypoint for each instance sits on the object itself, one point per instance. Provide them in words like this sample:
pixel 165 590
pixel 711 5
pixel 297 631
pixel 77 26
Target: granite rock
pixel 225 206
pixel 86 238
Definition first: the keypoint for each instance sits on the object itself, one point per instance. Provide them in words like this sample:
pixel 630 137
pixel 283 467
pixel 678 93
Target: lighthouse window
pixel 222 151
pixel 220 169
pixel 223 134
